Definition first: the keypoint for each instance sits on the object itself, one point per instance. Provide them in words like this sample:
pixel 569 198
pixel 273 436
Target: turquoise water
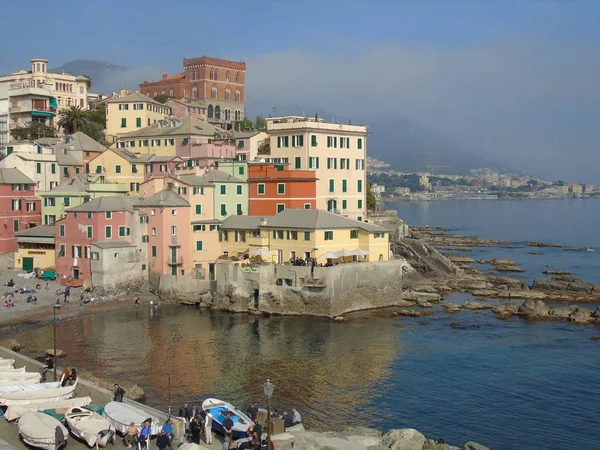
pixel 507 384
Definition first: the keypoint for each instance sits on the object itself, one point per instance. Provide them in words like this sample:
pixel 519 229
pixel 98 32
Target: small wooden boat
pixel 7 363
pixel 120 415
pixel 32 377
pixel 34 394
pixel 42 431
pixel 90 426
pixel 11 370
pixel 219 410
pixel 30 386
pixel 16 411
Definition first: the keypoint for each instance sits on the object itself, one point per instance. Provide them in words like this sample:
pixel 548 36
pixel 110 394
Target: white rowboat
pixel 120 415
pixel 35 395
pixel 89 426
pixel 16 411
pixel 42 431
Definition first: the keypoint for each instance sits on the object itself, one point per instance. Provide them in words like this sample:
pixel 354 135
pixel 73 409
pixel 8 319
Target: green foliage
pixel 34 131
pixel 260 123
pixel 94 130
pixel 162 98
pixel 371 200
pixel 242 125
pixel 72 118
pixel 98 116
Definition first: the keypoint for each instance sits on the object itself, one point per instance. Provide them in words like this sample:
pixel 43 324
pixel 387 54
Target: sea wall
pixel 295 290
pixel 180 287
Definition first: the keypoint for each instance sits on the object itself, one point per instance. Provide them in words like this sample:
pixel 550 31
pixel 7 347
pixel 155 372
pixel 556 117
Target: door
pixel 211 272
pixel 331 205
pixel 28 264
pixel 173 255
pixel 76 274
pixel 279 256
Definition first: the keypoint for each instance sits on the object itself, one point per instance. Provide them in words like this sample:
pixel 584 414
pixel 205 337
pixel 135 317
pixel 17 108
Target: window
pixel 153 231
pixel 329 235
pixel 145 238
pixel 138 122
pixel 143 266
pixel 292 235
pixel 283 141
pixel 359 218
pixel 123 122
pixel 280 207
pixel 344 205
pixel 199 246
pixel 67 201
pixel 227 95
pixel 344 185
pixel 198 191
pixel 124 231
pixel 108 231
pixel 134 187
pixel 313 141
pixel 52 168
pixel 153 212
pixel 240 171
pixel 76 251
pixel 345 163
pixel 360 164
pixel 297 141
pixel 194 93
pixel 378 235
pixel 260 188
pixel 30 206
pixel 109 214
pixel 154 251
pixel 223 189
pixel 213 93
pixel 281 188
pixel 123 106
pixel 155 143
pixel 223 209
pixel 16 205
pixel 359 143
pixel 61 230
pixel 331 185
pixel 359 185
pixel 117 168
pixel 360 204
pixel 53 184
pixel 353 234
pixel 332 163
pixel 170 142
pixel 237 78
pixel 89 215
pixel 62 250
pixel 298 162
pixel 238 97
pixel 239 189
pixel 313 162
pixel 198 209
pixel 331 142
pixel 173 212
pixel 239 209
pixel 307 206
pixel 38 167
pixel 277 234
pixel 307 235
pixel 344 142
pixel 173 230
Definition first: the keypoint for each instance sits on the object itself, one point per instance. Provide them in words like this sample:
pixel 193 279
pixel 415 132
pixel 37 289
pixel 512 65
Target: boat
pixel 4 383
pixel 16 411
pixel 589 249
pixel 219 410
pixel 120 415
pixel 35 394
pixel 15 387
pixel 7 363
pixel 43 431
pixel 90 426
pixel 31 377
pixel 11 370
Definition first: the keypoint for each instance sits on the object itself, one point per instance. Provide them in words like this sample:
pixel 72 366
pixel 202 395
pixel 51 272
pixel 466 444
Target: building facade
pixel 247 144
pixel 120 166
pixel 215 84
pixel 20 208
pixel 337 153
pixel 275 187
pixel 31 104
pixel 35 248
pixel 74 152
pixel 41 168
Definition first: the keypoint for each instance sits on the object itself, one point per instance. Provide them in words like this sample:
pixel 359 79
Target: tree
pixel 371 200
pixel 33 131
pixel 162 98
pixel 94 130
pixel 98 115
pixel 72 118
pixel 261 123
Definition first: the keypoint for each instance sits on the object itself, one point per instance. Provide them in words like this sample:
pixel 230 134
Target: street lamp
pixel 268 388
pixel 55 308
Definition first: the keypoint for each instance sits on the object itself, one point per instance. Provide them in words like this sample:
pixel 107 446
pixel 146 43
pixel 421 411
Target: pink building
pixel 187 108
pixel 169 234
pixel 162 166
pixel 106 219
pixel 204 152
pixel 20 209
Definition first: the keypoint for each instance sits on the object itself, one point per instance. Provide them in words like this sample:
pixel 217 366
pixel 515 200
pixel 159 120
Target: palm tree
pixel 72 118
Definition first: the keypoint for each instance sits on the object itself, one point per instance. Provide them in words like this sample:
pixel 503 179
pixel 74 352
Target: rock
pixel 484 293
pixel 596 312
pixel 550 285
pixel 424 322
pixel 580 287
pixel 363 431
pixel 563 312
pixel 421 296
pixel 339 319
pixel 476 306
pixel 556 272
pixel 404 439
pixel 404 303
pixel 460 259
pixel 424 304
pixel 595 337
pixel 59 353
pixel 475 446
pixel 502 262
pixel 542 244
pixel 509 308
pixel 508 269
pixel 456 324
pixel 525 295
pixel 533 309
pixel 451 307
pixel 581 316
pixel 13 344
pixel 409 313
pixel 472 285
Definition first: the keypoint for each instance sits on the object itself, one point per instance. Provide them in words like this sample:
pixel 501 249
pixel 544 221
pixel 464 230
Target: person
pixel 137 301
pixel 257 429
pixel 162 441
pixel 34 299
pixel 208 420
pixel 255 443
pixel 196 427
pixel 287 419
pixel 119 393
pixel 130 435
pixel 10 283
pixel 253 411
pixel 65 376
pixel 168 428
pixel 73 376
pixel 296 417
pixel 145 435
pixel 194 411
pixel 228 426
pixel 38 286
pixel 226 444
pixel 81 297
pixel 185 411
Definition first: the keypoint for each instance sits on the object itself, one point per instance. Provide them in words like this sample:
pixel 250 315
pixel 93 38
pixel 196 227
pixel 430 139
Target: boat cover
pixel 32 377
pixel 7 362
pixel 39 430
pixel 120 415
pixel 11 370
pixel 16 411
pixel 29 387
pixel 35 395
pixel 88 425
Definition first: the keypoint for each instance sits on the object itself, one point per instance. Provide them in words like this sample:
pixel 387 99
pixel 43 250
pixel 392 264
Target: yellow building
pixel 305 233
pixel 336 152
pixel 130 112
pixel 35 248
pixel 120 166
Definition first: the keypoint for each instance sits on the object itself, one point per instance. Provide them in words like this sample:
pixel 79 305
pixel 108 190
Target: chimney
pixel 164 76
pixel 263 221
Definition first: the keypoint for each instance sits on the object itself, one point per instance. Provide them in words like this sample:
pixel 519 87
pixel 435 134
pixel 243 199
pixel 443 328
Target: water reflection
pixel 178 354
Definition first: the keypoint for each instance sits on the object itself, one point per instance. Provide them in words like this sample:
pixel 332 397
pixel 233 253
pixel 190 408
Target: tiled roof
pixel 80 142
pixel 118 243
pixel 77 183
pixel 165 198
pixel 135 97
pixel 14 176
pixel 241 223
pixel 317 219
pixel 41 231
pixel 36 157
pixel 176 126
pixel 155 158
pixel 112 203
pixel 245 134
pixel 218 176
pixel 179 76
pixel 194 180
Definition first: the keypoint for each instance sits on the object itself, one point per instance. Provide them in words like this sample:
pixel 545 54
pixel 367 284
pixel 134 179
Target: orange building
pixel 275 187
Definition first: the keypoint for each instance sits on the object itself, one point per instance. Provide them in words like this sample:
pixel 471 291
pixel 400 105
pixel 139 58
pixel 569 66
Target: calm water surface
pixel 507 384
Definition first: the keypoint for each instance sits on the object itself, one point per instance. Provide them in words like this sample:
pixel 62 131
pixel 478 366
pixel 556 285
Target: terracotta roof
pixel 179 76
pixel 177 126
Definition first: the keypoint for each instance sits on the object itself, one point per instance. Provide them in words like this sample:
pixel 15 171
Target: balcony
pixel 178 261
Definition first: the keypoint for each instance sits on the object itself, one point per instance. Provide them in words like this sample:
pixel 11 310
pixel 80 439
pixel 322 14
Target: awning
pixel 32 199
pixel 206 222
pixel 53 103
pixel 42 114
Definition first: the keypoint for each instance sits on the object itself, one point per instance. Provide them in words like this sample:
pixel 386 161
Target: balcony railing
pixel 178 261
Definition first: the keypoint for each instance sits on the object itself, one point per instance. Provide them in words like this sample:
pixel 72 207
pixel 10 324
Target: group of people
pixel 196 425
pixel 69 376
pixel 10 295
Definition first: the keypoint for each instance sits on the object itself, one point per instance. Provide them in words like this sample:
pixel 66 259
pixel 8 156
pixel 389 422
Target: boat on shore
pixel 29 387
pixel 89 426
pixel 120 415
pixel 7 363
pixel 34 394
pixel 219 409
pixel 42 431
pixel 15 411
pixel 11 370
pixel 7 377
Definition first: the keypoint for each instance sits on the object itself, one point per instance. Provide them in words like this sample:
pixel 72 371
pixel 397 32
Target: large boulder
pixel 580 288
pixel 59 353
pixel 581 316
pixel 544 284
pixel 476 306
pixel 403 439
pixel 506 309
pixel 563 312
pixel 475 446
pixel 421 296
pixel 13 344
pixel 533 309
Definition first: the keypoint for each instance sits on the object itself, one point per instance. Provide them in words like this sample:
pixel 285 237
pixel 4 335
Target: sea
pixel 512 384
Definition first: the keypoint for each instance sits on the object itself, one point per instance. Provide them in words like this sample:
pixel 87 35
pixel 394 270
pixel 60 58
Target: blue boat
pixel 219 410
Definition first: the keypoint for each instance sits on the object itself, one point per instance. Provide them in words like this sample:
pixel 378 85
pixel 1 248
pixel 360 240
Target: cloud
pixel 529 102
pixel 126 77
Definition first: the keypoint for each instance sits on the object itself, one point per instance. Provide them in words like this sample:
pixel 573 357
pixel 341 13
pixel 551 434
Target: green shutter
pixel 359 204
pixel 198 246
pixel 198 209
pixel 280 208
pixel 89 232
pixel 307 235
pixel 62 230
pixel 331 185
pixel 121 231
pixel 143 266
pixel 223 210
pixel 52 168
pixel 313 140
pixel 67 201
pixel 108 232
pixel 344 204
pixel 281 188
pixel 307 206
pixel 138 122
pixel 360 143
pixel 239 189
pixel 359 185
pixel 317 162
pixel 38 167
pixel 223 189
pixel 239 209
pixel 261 188
pixel 298 164
pixel 344 185
pixel 154 251
pixel 123 122
pixel 241 170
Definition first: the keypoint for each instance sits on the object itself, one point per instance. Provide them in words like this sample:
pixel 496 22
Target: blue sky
pixel 514 80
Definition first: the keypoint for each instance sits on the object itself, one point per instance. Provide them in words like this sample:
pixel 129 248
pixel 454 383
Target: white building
pixel 37 162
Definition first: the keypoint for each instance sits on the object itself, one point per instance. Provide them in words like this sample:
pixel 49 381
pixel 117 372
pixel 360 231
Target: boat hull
pixel 120 415
pixel 42 431
pixel 219 409
pixel 89 426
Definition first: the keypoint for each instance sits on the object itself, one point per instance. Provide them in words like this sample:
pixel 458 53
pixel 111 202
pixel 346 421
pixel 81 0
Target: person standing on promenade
pixel 253 411
pixel 119 393
pixel 208 420
pixel 131 432
pixel 168 429
pixel 162 441
pixel 196 428
pixel 296 418
pixel 228 426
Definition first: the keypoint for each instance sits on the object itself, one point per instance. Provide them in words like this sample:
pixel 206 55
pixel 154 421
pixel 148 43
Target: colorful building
pixel 75 191
pixel 29 103
pixel 20 208
pixel 35 248
pixel 41 168
pixel 187 108
pixel 74 153
pixel 97 221
pixel 130 112
pixel 120 166
pixel 162 166
pixel 216 84
pixel 305 233
pixel 247 144
pixel 230 193
pixel 275 187
pixel 336 152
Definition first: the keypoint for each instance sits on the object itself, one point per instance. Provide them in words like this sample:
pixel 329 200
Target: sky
pixel 514 81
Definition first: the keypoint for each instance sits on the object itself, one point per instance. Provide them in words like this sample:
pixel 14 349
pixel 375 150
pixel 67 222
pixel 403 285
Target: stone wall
pixel 182 287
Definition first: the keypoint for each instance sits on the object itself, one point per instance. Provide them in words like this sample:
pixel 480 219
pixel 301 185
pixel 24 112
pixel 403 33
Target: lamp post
pixel 55 308
pixel 268 388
